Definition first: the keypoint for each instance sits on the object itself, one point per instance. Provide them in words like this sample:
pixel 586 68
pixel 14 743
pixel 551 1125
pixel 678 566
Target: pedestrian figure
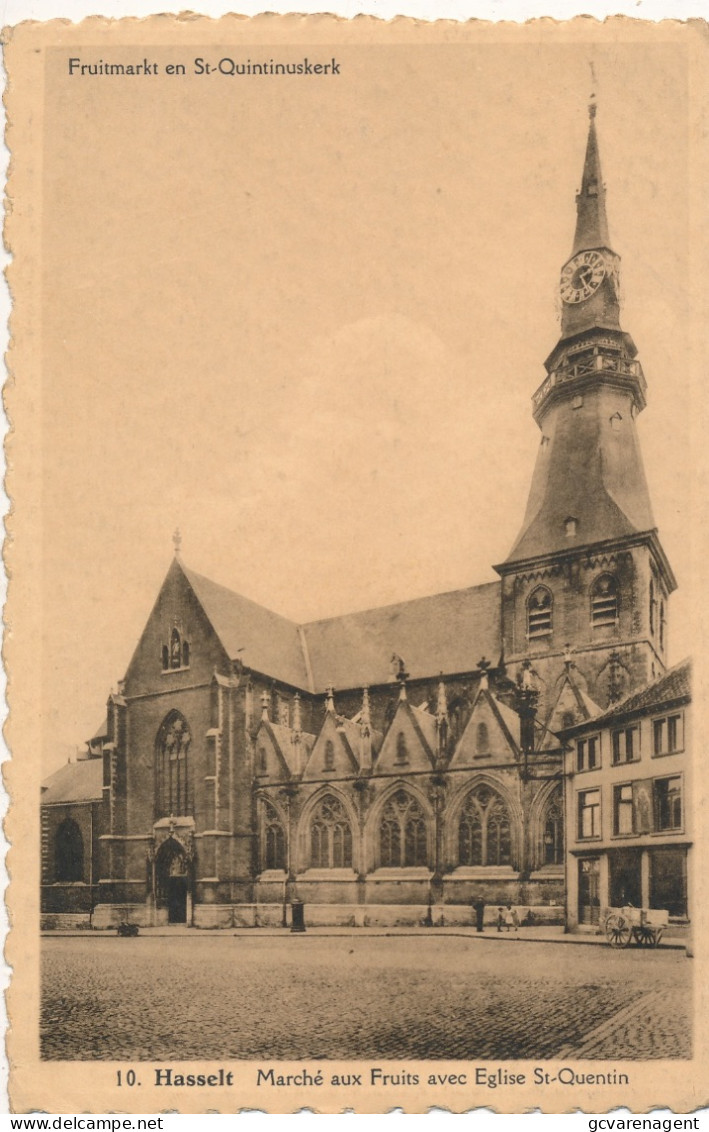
pixel 500 918
pixel 515 919
pixel 509 918
pixel 479 909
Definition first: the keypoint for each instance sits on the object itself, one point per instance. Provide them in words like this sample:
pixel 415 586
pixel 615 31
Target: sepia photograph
pixel 362 493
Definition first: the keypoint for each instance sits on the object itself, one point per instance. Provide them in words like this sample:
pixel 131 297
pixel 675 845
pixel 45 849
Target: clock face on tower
pixel 582 276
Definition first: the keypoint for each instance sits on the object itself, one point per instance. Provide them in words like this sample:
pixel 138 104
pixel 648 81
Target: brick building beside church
pixel 389 766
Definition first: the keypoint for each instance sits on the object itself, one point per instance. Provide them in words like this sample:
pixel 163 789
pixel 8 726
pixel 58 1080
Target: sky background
pixel 304 323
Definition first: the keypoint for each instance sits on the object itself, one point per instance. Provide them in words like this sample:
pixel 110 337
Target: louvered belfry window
pixel 539 613
pixel 604 602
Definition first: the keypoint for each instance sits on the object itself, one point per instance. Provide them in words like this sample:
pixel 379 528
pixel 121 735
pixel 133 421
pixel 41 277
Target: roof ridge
pixel 397 604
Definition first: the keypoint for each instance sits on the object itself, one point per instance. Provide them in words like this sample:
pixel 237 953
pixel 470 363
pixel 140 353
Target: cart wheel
pixel 618 931
pixel 658 936
pixel 646 937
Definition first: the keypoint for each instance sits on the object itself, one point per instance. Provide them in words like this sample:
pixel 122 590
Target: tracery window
pixel 484 835
pixel 554 830
pixel 329 755
pixel 273 839
pixel 68 852
pixel 330 835
pixel 172 780
pixel 539 613
pixel 604 602
pixel 402 833
pixel 482 739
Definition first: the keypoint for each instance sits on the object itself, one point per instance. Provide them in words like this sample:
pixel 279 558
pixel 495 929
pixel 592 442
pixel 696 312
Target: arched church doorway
pixel 172 876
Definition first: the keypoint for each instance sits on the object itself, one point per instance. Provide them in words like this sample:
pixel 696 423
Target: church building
pixel 387 766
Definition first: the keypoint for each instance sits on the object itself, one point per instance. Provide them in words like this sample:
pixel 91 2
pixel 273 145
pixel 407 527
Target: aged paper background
pixel 239 387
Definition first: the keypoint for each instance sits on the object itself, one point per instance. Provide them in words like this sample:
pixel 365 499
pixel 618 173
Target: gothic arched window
pixel 175 649
pixel 172 781
pixel 329 755
pixel 402 751
pixel 176 654
pixel 402 833
pixel 484 836
pixel 330 835
pixel 482 739
pixel 553 835
pixel 273 840
pixel 604 602
pixel 539 613
pixel 68 852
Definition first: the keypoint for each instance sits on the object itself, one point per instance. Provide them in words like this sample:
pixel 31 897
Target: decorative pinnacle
pixel 330 698
pixel 177 541
pixel 441 702
pixel 483 665
pixel 297 721
pixel 265 700
pixel 365 717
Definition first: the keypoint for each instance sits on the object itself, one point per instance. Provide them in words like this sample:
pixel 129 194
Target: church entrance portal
pixel 173 883
pixel 177 900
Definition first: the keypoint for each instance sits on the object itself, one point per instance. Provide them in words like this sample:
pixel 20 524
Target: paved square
pixel 224 997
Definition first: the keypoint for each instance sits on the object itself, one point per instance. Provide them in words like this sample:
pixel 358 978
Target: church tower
pixel 587 569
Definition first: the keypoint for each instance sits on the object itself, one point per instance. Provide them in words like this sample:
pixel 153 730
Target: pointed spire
pixel 591 220
pixel 330 699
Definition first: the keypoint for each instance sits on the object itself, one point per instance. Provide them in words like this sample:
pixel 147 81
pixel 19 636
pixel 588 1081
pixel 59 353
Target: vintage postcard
pixel 356 559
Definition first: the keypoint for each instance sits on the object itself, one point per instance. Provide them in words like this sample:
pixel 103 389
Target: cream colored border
pixel 78 1086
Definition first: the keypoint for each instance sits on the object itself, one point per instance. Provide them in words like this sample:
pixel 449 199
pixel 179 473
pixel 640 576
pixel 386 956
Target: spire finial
pixel 177 541
pixel 330 699
pixel 592 97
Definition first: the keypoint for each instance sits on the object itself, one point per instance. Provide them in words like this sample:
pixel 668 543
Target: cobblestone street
pixel 221 997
